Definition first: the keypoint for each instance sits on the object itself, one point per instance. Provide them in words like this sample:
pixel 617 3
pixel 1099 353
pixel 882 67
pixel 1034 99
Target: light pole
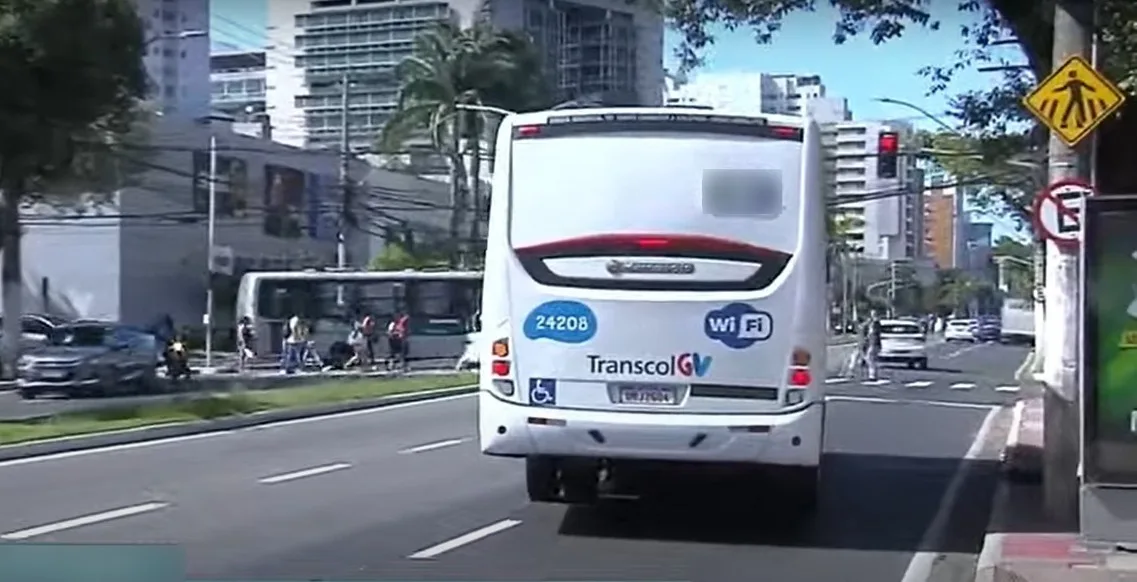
pixel 919 110
pixel 484 108
pixel 180 35
pixel 211 233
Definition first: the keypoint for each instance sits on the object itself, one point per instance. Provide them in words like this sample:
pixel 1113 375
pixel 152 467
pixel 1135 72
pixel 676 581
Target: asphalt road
pixel 402 493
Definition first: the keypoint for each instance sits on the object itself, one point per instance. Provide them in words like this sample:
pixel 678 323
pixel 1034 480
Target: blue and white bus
pixel 655 296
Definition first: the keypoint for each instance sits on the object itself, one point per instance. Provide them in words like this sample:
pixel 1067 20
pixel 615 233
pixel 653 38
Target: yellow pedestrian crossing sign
pixel 1074 100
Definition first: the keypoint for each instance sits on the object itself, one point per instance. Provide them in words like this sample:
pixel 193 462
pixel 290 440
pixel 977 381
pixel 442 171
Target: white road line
pixel 963 386
pixel 464 539
pixel 918 384
pixel 920 567
pixel 962 351
pixel 91 519
pixel 877 400
pixel 209 435
pixel 304 473
pixel 836 380
pixel 1006 389
pixel 874 382
pixel 433 446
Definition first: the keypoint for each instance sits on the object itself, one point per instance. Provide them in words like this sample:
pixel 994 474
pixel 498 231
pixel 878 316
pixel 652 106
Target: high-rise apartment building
pixel 591 47
pixel 238 83
pixel 884 213
pixel 755 93
pixel 946 221
pixel 177 55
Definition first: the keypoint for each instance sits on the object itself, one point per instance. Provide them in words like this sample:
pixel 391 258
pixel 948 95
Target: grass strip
pixel 220 405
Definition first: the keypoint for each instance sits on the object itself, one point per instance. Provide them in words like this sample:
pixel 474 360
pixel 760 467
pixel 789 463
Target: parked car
pixel 89 359
pixel 960 330
pixel 35 327
pixel 988 330
pixel 905 342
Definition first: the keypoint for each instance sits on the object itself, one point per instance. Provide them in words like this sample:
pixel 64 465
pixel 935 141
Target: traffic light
pixel 888 155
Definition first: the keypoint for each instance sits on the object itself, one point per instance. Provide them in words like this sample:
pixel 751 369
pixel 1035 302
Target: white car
pixel 905 342
pixel 960 330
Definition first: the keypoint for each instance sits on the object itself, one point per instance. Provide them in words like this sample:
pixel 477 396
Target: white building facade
pixel 608 47
pixel 757 93
pixel 177 55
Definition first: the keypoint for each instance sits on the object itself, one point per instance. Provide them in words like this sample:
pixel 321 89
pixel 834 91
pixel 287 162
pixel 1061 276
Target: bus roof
pixel 541 117
pixel 365 275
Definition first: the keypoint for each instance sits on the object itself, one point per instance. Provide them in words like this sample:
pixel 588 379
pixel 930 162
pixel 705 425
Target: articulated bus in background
pixel 442 306
pixel 655 299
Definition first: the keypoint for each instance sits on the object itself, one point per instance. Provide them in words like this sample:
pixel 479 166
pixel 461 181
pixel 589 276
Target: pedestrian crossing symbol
pixel 1074 100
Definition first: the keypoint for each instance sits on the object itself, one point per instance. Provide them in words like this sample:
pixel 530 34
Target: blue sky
pixel 857 70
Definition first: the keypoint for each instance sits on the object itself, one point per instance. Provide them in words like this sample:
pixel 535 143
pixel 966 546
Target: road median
pixel 195 413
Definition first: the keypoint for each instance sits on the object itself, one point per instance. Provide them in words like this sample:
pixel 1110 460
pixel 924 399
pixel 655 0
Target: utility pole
pixel 344 179
pixel 1073 23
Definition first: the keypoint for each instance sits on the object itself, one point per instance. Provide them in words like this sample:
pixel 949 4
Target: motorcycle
pixel 177 361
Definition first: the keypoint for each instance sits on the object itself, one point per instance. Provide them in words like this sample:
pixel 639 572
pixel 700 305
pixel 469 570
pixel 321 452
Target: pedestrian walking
pixel 397 336
pixel 871 345
pixel 246 339
pixel 367 329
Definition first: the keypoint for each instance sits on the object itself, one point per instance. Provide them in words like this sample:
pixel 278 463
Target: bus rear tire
pixel 541 481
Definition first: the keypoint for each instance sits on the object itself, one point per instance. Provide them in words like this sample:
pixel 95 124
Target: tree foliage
pixel 73 75
pixel 991 120
pixel 450 67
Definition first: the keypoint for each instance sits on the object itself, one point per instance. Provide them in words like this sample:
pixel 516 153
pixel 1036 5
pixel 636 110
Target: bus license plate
pixel 647 394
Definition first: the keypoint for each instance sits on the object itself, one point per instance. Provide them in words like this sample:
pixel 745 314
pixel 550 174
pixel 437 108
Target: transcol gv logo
pixel 685 364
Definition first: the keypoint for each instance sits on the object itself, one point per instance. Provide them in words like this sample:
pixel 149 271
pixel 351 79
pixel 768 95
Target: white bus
pixel 655 299
pixel 442 306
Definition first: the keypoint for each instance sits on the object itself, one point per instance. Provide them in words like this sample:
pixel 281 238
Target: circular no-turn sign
pixel 1057 212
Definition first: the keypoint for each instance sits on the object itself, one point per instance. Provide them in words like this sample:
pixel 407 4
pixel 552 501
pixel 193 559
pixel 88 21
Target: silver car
pixel 89 359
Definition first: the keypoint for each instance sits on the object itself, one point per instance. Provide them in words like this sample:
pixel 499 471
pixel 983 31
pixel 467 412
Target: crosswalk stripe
pixel 962 386
pixel 829 380
pixel 1007 389
pixel 875 382
pixel 918 384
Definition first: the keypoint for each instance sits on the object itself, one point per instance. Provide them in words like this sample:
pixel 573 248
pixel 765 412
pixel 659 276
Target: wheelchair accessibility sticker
pixel 542 392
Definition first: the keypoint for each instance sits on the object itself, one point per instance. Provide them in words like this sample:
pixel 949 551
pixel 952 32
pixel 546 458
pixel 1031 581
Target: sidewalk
pixel 1021 545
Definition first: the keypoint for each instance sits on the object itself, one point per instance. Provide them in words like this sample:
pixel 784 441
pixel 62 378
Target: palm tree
pixel 838 251
pixel 450 67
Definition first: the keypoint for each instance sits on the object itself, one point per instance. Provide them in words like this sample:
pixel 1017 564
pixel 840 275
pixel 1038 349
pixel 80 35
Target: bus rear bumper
pixel 513 430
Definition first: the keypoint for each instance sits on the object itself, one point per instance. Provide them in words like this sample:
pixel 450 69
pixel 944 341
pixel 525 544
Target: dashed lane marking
pixel 85 520
pixel 918 384
pixel 963 386
pixel 1006 389
pixel 880 382
pixel 836 380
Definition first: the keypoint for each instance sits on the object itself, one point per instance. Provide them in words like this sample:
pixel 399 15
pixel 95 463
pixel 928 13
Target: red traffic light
pixel 888 143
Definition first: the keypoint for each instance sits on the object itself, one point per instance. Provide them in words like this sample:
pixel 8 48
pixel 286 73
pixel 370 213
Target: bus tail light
pixel 501 368
pixel 801 358
pixel 795 396
pixel 800 377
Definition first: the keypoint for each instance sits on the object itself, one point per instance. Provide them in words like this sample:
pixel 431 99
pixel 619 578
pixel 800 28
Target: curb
pixel 1020 463
pixel 172 430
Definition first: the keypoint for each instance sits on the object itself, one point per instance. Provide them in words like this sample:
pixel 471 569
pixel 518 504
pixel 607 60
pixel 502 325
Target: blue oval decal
pixel 569 322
